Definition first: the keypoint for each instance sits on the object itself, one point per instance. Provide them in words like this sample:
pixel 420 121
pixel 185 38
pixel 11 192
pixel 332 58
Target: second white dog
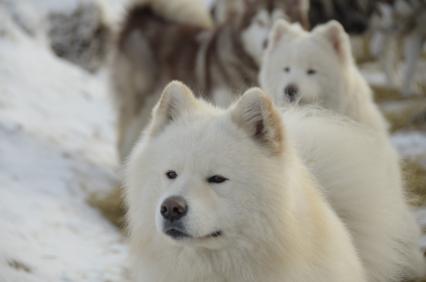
pixel 317 67
pixel 360 172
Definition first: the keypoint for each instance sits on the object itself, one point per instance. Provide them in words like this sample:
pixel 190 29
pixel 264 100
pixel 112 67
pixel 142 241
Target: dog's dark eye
pixel 171 174
pixel 216 179
pixel 311 71
pixel 287 69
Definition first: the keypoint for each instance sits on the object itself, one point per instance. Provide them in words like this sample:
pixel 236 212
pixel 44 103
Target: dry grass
pixel 405 114
pixel 111 206
pixel 19 266
pixel 415 178
pixel 384 93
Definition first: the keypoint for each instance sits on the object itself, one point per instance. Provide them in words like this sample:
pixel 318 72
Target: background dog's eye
pixel 171 174
pixel 311 71
pixel 287 69
pixel 216 179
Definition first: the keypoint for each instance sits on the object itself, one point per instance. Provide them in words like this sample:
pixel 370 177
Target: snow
pixel 411 144
pixel 40 8
pixel 56 147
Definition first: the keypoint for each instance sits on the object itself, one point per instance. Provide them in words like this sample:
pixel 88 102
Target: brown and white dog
pixel 153 49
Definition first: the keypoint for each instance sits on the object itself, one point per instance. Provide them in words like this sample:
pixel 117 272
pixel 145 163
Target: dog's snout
pixel 291 91
pixel 174 208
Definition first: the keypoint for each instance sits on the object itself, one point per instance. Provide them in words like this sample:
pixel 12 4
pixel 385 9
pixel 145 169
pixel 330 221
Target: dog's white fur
pixel 371 201
pixel 336 84
pixel 275 223
pixel 361 177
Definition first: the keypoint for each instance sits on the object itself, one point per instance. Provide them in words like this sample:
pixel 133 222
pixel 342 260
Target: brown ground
pixel 111 205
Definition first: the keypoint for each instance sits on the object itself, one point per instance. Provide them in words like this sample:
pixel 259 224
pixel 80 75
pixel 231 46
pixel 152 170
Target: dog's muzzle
pixel 173 210
pixel 176 230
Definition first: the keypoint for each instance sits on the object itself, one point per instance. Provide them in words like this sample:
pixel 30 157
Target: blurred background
pixel 61 215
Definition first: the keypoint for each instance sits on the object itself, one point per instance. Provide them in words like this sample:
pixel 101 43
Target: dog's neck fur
pixel 194 264
pixel 359 109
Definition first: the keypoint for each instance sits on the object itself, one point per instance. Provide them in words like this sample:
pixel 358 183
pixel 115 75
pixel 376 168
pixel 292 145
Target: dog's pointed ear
pixel 282 30
pixel 176 100
pixel 335 34
pixel 255 114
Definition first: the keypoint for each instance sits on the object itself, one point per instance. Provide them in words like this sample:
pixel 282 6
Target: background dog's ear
pixel 257 116
pixel 175 100
pixel 282 30
pixel 334 33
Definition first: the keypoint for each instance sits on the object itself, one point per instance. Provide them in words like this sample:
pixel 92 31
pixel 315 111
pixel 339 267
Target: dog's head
pixel 254 19
pixel 206 177
pixel 306 67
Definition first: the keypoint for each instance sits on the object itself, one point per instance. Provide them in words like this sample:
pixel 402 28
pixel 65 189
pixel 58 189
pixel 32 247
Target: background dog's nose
pixel 174 208
pixel 291 92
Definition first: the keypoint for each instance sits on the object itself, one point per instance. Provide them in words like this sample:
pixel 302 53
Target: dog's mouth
pixel 178 234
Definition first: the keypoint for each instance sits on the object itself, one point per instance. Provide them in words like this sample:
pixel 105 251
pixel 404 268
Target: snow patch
pixel 57 146
pixel 410 144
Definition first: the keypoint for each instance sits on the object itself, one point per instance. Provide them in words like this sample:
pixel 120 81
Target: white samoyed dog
pixel 317 67
pixel 223 195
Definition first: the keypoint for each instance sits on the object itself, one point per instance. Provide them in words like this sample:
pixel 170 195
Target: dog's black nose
pixel 174 208
pixel 291 92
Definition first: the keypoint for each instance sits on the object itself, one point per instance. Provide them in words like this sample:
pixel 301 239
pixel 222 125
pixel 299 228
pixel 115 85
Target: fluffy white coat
pixel 274 221
pixel 359 171
pixel 320 67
